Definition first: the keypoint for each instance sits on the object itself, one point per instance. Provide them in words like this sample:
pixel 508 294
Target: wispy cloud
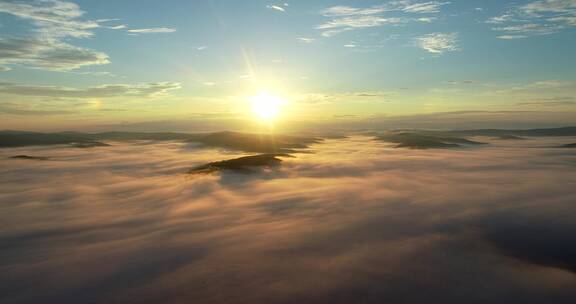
pixel 557 101
pixel 510 37
pixel 438 43
pixel 117 27
pixel 528 29
pixel 104 91
pixel 306 40
pixel 568 20
pixel 32 112
pixel 550 6
pixel 53 21
pixel 346 18
pixel 461 82
pixel 425 7
pixel 340 25
pixel 542 90
pixel 276 7
pixel 500 19
pixel 339 11
pixel 469 119
pixel 48 54
pixel 368 96
pixel 53 18
pixel 152 30
pixel 547 85
pixel 427 19
pixel 535 19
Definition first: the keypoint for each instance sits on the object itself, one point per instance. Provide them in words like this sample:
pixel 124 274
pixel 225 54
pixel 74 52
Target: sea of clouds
pixel 354 221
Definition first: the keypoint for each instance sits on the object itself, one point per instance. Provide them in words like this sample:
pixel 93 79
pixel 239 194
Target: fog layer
pixel 357 221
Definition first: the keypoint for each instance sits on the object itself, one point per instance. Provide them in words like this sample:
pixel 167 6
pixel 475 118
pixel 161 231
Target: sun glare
pixel 265 106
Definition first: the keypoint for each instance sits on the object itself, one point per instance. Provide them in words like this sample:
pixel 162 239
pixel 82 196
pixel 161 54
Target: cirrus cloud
pixel 438 43
pixel 103 91
pixel 536 18
pixel 53 21
pixel 347 18
pixel 152 30
pixel 48 54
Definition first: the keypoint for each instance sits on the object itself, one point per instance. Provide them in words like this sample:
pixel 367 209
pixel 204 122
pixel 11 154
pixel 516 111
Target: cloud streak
pixel 535 18
pixel 337 26
pixel 104 91
pixel 369 96
pixel 153 30
pixel 425 7
pixel 347 18
pixel 32 112
pixel 276 8
pixel 48 54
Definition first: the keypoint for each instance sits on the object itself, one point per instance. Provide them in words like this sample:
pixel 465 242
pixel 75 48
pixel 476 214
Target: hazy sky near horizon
pixel 79 64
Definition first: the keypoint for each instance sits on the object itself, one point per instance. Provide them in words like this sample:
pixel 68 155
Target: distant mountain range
pixel 249 142
pixel 426 139
pixel 266 143
pixel 564 131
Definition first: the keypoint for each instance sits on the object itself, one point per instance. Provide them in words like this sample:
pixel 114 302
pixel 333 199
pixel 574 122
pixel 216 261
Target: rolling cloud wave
pixel 357 221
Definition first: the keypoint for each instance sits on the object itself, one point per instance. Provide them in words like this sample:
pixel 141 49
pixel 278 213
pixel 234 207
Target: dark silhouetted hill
pixel 415 140
pixel 90 144
pixel 262 143
pixel 244 164
pixel 28 157
pixel 20 139
pixel 565 131
pixel 426 139
pixel 509 137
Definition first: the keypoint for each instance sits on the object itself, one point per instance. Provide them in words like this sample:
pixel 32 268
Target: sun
pixel 266 107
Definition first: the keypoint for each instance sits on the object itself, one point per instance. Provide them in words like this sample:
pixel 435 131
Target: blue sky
pixel 118 61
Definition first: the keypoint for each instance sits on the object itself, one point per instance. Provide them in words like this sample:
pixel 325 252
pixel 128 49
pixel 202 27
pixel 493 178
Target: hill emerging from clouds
pixel 263 143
